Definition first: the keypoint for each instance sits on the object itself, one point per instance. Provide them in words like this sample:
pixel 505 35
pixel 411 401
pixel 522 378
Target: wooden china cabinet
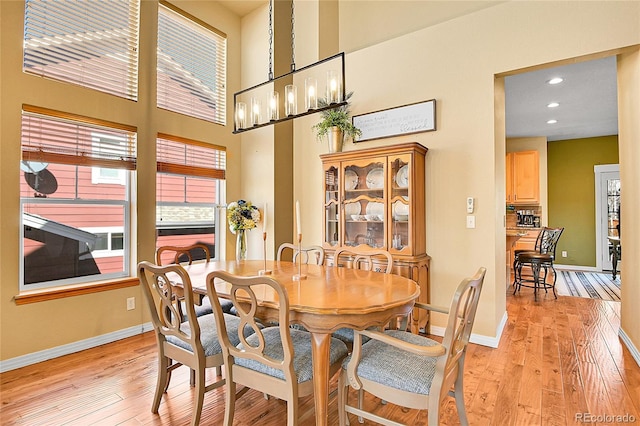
pixel 375 198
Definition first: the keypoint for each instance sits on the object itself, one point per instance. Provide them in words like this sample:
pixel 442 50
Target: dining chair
pixel 410 370
pixel 310 254
pixel 187 255
pixel 354 258
pixel 193 342
pixel 369 259
pixel 274 360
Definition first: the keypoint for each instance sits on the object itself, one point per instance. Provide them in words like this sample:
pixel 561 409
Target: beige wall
pixel 39 326
pixel 629 149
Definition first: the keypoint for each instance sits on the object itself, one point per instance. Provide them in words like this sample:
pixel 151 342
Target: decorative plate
pixel 352 208
pixel 400 209
pixel 402 177
pixel 350 181
pixel 375 209
pixel 375 178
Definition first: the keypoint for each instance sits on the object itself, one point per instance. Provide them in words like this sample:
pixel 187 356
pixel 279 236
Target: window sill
pixel 42 295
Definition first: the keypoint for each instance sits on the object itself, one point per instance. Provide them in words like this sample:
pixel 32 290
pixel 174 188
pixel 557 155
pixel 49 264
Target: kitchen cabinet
pixel 523 177
pixel 375 198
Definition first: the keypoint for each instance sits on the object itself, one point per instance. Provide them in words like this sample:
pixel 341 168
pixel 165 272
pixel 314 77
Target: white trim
pixel 576 268
pixel 600 194
pixel 478 339
pixel 635 353
pixel 80 345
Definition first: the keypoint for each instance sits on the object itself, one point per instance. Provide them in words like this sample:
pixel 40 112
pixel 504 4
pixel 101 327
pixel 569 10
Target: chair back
pixel 462 313
pixel 157 283
pixel 244 293
pixel 310 254
pixel 549 240
pixel 182 254
pixel 363 259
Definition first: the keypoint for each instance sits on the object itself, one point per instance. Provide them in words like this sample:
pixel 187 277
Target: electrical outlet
pixel 564 253
pixel 131 303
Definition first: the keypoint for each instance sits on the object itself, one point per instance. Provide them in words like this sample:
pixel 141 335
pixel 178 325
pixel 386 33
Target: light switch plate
pixel 471 221
pixel 470 204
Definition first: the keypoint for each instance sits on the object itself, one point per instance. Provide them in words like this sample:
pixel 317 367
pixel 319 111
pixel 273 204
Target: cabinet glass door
pixel 331 206
pixel 364 203
pixel 400 203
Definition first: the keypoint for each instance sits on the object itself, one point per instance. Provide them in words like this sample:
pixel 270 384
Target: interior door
pixel 607 213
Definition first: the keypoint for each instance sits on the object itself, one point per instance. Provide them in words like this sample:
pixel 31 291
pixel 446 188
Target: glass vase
pixel 241 244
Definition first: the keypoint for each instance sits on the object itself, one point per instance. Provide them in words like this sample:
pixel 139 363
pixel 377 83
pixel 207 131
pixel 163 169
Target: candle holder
pixel 299 276
pixel 264 271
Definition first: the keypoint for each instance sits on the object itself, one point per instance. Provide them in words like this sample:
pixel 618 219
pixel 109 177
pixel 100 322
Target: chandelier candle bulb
pixel 255 111
pixel 274 100
pixel 333 88
pixel 241 115
pixel 311 93
pixel 291 100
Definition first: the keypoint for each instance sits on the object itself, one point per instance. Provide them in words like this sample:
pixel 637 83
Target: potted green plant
pixel 335 123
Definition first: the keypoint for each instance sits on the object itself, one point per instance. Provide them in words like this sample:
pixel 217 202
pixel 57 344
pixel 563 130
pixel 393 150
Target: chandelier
pixel 261 105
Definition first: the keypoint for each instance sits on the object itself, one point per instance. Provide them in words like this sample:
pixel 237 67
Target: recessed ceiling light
pixel 555 80
pixel 552 121
pixel 553 105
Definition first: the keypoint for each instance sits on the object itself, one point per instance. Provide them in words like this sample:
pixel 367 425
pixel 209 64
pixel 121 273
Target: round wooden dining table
pixel 326 299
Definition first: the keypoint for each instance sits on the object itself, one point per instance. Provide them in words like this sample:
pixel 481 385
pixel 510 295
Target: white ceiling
pixel 587 98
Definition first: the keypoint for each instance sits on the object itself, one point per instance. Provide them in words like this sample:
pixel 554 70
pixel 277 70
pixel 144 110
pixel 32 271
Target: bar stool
pixel 537 260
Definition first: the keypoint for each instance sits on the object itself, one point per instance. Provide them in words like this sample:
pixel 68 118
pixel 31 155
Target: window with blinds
pixel 191 66
pixel 90 43
pixel 188 187
pixel 66 212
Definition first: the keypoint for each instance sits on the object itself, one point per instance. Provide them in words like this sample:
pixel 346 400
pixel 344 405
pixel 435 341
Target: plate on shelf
pixel 375 178
pixel 375 209
pixel 350 181
pixel 400 210
pixel 402 177
pixel 352 208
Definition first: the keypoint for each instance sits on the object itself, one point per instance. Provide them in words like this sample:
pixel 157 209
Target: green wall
pixel 571 191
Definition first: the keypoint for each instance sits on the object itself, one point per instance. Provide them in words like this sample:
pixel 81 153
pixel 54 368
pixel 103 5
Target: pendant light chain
pixel 270 40
pixel 293 37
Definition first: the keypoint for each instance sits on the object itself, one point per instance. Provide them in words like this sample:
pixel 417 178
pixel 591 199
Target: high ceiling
pixel 587 97
pixel 242 7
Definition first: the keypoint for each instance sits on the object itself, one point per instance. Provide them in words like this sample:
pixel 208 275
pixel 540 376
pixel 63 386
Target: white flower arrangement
pixel 242 215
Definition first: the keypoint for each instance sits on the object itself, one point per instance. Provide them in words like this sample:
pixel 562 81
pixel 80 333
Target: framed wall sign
pixel 402 120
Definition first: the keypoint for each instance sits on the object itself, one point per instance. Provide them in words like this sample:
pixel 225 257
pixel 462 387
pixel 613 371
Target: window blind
pixel 90 43
pixel 186 157
pixel 63 140
pixel 191 66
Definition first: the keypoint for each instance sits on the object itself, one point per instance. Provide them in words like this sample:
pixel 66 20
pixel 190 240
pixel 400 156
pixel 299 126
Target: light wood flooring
pixel 557 359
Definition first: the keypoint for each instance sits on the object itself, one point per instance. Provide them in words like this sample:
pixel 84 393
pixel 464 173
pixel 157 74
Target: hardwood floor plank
pixel 556 359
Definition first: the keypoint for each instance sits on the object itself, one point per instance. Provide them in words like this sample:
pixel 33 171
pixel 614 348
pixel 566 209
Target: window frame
pixel 80 44
pixel 53 153
pixel 167 97
pixel 196 167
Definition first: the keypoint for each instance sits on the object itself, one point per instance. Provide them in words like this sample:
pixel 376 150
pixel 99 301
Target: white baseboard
pixel 629 344
pixel 478 339
pixel 35 357
pixel 576 268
